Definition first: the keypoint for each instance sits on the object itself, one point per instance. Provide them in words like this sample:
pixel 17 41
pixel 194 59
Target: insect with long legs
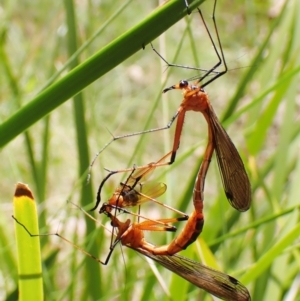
pixel 233 174
pixel 234 177
pixel 127 196
pixel 132 236
pixel 214 282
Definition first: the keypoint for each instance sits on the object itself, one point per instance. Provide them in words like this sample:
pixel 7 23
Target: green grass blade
pixel 253 225
pixel 29 257
pixel 93 289
pixel 253 67
pixel 100 63
pixel 266 259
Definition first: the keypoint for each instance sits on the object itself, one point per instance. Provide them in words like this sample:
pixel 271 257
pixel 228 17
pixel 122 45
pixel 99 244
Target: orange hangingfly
pixel 234 177
pixel 233 174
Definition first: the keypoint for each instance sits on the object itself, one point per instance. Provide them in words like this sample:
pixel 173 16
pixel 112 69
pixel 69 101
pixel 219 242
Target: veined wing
pixel 214 282
pixel 234 176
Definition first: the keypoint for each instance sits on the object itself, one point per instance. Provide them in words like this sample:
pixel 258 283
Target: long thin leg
pixel 68 241
pixel 221 58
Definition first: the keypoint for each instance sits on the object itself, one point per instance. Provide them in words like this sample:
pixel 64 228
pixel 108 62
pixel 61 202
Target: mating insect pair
pixel 234 178
pixel 133 192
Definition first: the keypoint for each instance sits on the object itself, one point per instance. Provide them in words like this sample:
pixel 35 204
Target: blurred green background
pixel 257 102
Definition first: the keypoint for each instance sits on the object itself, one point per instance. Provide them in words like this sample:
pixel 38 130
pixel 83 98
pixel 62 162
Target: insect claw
pixel 168 89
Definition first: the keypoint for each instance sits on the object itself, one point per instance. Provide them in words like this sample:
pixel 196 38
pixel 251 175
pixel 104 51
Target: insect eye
pixel 183 84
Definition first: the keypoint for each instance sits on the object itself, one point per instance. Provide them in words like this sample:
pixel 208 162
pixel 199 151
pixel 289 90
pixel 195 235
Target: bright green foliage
pixel 257 102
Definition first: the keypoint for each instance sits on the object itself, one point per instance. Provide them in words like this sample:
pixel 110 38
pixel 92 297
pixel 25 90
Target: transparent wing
pixel 143 193
pixel 153 189
pixel 140 175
